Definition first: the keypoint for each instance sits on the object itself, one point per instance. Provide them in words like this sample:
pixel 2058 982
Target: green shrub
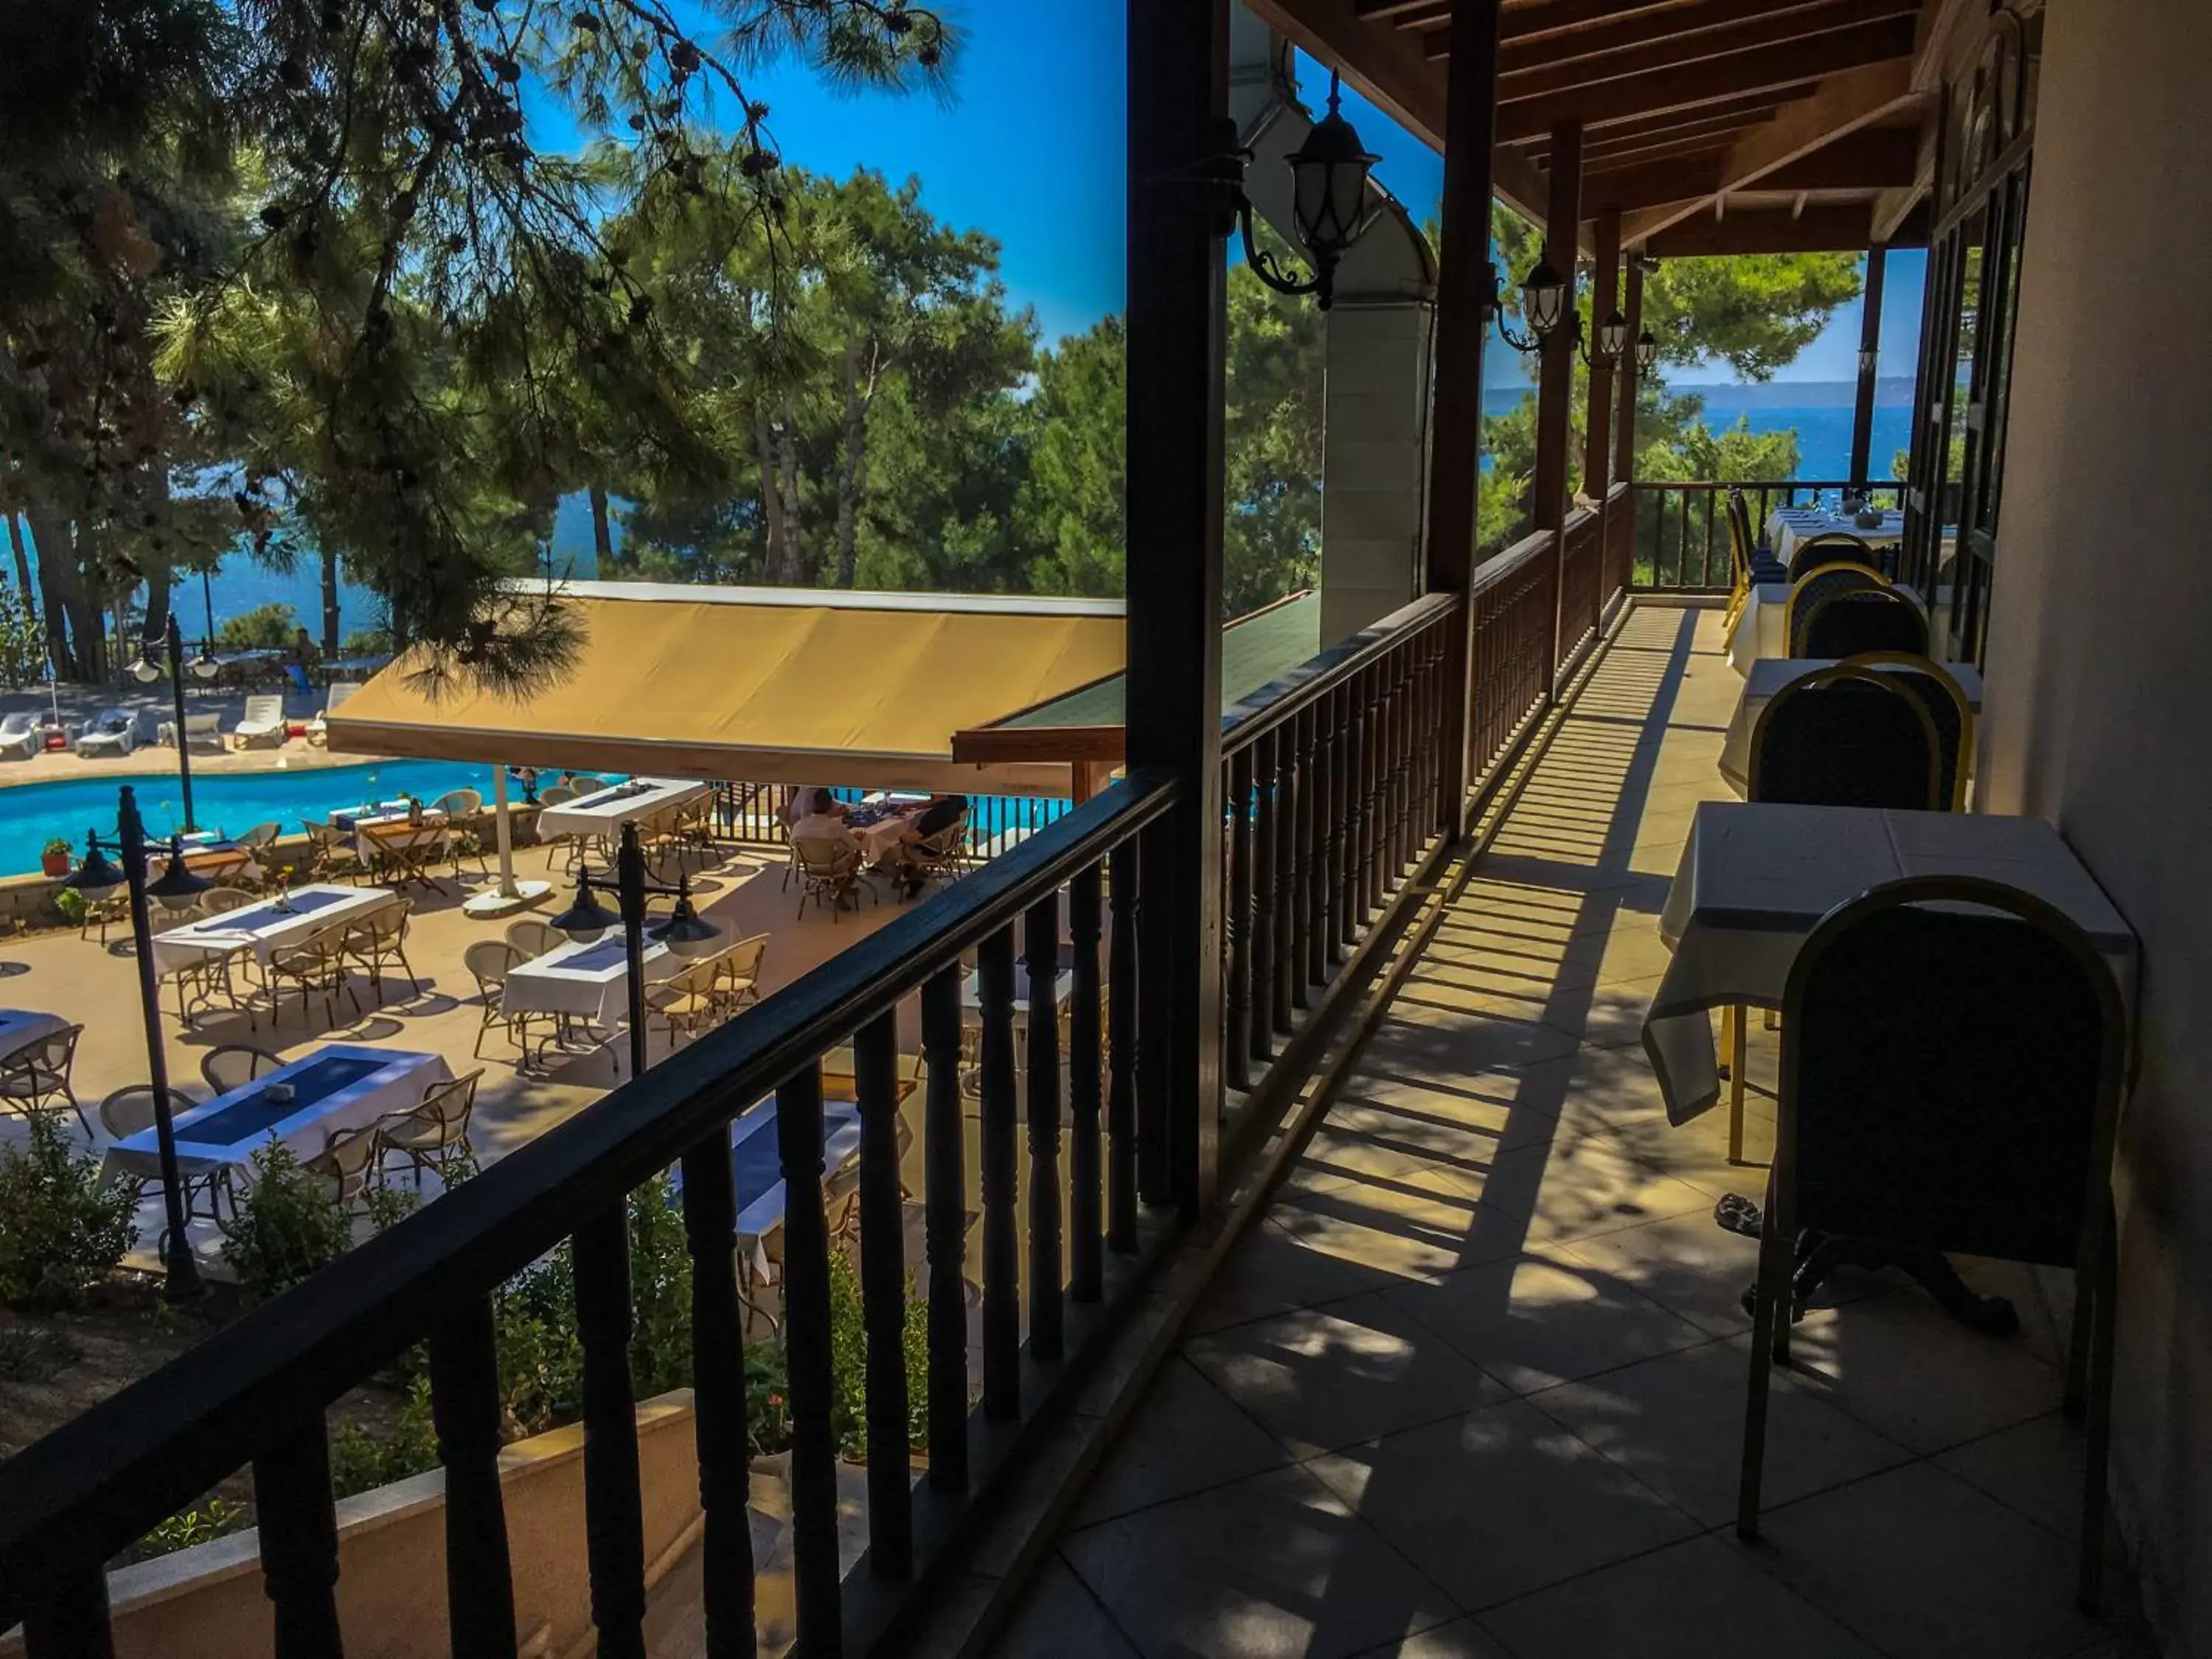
pixel 191 1526
pixel 360 1462
pixel 288 1226
pixel 33 1356
pixel 61 1232
pixel 264 625
pixel 848 1361
pixel 71 904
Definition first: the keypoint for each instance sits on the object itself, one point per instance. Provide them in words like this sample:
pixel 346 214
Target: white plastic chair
pixel 115 732
pixel 263 721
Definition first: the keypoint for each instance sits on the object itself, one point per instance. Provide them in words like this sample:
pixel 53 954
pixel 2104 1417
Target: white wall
pixel 2100 682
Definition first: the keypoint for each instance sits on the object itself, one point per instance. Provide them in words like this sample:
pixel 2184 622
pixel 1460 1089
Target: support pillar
pixel 1869 364
pixel 1555 386
pixel 1177 268
pixel 1624 440
pixel 1605 300
pixel 1463 291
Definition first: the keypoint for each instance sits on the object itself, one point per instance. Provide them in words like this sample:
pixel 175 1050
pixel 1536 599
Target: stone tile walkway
pixel 1473 1385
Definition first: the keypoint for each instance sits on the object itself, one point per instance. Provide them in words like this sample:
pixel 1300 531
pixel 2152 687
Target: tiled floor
pixel 1474 1384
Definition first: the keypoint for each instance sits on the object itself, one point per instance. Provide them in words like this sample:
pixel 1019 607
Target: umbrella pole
pixel 506 831
pixel 511 895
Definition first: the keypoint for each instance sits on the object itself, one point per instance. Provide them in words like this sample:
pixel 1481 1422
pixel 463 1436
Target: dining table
pixel 1787 527
pixel 1770 674
pixel 300 1105
pixel 757 1169
pixel 358 821
pixel 20 1028
pixel 266 927
pixel 1763 629
pixel 585 980
pixel 603 812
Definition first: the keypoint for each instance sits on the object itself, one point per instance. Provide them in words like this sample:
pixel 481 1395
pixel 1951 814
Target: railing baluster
pixel 1318 881
pixel 1085 1068
pixel 1297 961
pixel 1238 914
pixel 945 1179
pixel 718 1393
pixel 807 1361
pixel 1343 861
pixel 614 1511
pixel 66 1612
pixel 464 1410
pixel 299 1538
pixel 1002 1314
pixel 1040 942
pixel 1121 1054
pixel 883 1299
pixel 1266 836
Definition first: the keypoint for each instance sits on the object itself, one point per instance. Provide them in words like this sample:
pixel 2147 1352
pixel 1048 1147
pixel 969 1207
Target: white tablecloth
pixel 584 981
pixel 1762 632
pixel 1788 525
pixel 605 810
pixel 22 1027
pixel 879 839
pixel 1769 675
pixel 1755 879
pixel 971 991
pixel 757 1163
pixel 390 1080
pixel 264 927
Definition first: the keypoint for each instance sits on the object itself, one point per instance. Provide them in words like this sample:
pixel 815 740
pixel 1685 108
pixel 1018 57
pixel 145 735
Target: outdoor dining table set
pixel 600 814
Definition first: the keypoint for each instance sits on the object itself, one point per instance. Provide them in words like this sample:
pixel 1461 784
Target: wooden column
pixel 1624 439
pixel 1605 299
pixel 1463 291
pixel 1555 386
pixel 1869 364
pixel 1178 230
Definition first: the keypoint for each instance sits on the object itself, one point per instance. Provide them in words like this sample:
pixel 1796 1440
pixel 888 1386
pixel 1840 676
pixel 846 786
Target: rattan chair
pixel 314 967
pixel 129 1111
pixel 378 940
pixel 221 900
pixel 685 1002
pixel 235 1064
pixel 1809 591
pixel 828 872
pixel 332 852
pixel 1831 547
pixel 1866 619
pixel 465 823
pixel 38 1073
pixel 434 1135
pixel 531 938
pixel 489 962
pixel 347 1163
pixel 104 910
pixel 1980 1123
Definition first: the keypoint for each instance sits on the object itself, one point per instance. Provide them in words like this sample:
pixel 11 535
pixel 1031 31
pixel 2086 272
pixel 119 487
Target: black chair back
pixel 1831 547
pixel 1864 619
pixel 1949 712
pixel 1846 737
pixel 1950 1076
pixel 1815 588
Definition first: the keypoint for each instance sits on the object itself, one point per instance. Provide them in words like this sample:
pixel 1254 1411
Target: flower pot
pixel 54 863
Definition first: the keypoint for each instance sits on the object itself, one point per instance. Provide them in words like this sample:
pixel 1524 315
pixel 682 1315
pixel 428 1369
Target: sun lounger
pixel 115 732
pixel 19 735
pixel 204 730
pixel 263 721
pixel 318 730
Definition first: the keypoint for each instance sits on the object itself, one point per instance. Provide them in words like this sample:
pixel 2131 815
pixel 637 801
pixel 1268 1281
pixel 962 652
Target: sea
pixel 1819 412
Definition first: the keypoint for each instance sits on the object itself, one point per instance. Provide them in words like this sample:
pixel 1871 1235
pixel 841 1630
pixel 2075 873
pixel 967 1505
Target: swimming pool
pixel 31 814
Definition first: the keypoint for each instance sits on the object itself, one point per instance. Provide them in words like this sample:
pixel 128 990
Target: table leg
pixel 1738 1042
pixel 1818 1255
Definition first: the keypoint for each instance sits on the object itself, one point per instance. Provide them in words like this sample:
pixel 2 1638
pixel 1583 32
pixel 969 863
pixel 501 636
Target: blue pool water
pixel 31 814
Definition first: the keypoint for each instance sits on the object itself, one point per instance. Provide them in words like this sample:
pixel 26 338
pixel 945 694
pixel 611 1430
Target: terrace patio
pixel 1472 1384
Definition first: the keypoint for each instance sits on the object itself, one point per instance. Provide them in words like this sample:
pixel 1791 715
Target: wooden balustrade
pixel 1581 555
pixel 1515 620
pixel 1678 538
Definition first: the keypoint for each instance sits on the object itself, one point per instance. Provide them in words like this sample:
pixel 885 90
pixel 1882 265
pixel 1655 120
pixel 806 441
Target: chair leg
pixel 2105 1328
pixel 1739 1046
pixel 1766 1293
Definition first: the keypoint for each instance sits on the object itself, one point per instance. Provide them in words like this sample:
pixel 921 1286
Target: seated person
pixel 821 818
pixel 814 800
pixel 940 814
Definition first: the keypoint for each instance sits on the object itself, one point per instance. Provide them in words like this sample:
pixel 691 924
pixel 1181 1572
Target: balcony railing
pixel 1334 791
pixel 1679 541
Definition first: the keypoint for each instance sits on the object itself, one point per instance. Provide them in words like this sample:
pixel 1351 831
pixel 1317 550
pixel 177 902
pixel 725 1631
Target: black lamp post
pixel 686 931
pixel 146 670
pixel 1328 204
pixel 176 887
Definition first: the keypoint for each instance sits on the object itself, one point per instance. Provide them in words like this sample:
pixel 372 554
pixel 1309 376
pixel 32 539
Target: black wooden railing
pixel 1335 793
pixel 755 812
pixel 1680 539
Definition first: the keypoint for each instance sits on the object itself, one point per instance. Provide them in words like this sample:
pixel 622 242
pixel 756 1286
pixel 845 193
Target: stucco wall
pixel 2099 683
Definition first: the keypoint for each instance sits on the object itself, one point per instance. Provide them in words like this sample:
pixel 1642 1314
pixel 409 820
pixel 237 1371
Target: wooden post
pixel 1597 423
pixel 1869 364
pixel 1624 440
pixel 1463 291
pixel 1556 382
pixel 1178 244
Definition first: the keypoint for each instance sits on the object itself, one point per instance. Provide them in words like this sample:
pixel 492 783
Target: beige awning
pixel 771 685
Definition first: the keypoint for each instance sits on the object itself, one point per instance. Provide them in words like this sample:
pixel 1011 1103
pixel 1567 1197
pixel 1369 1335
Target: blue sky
pixel 1029 148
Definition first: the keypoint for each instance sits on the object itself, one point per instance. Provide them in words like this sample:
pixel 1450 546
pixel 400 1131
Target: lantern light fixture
pixel 1330 209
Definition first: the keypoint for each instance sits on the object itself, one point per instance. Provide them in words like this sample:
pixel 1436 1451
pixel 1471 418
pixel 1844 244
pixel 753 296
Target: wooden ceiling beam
pixel 1521 17
pixel 1830 229
pixel 1706 117
pixel 1847 102
pixel 1762 68
pixel 1709 143
pixel 1739 31
pixel 1649 184
pixel 1724 129
pixel 1647 34
pixel 1873 159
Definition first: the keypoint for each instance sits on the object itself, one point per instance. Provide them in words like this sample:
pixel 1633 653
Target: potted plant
pixel 54 858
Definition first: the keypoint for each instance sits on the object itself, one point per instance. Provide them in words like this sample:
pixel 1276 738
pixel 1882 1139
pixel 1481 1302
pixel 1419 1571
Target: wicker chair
pixel 347 1162
pixel 489 962
pixel 1982 1123
pixel 129 1111
pixel 828 872
pixel 235 1064
pixel 464 818
pixel 533 939
pixel 332 852
pixel 434 1135
pixel 35 1075
pixel 378 940
pixel 315 966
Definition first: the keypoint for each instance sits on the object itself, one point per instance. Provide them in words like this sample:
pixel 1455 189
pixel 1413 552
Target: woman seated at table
pixel 940 814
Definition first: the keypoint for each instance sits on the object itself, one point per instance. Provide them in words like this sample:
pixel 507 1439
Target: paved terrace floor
pixel 1473 1385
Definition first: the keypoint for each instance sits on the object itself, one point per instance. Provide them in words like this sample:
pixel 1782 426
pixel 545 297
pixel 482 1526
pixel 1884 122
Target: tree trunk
pixel 50 534
pixel 771 499
pixel 330 602
pixel 22 566
pixel 603 539
pixel 851 473
pixel 795 573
